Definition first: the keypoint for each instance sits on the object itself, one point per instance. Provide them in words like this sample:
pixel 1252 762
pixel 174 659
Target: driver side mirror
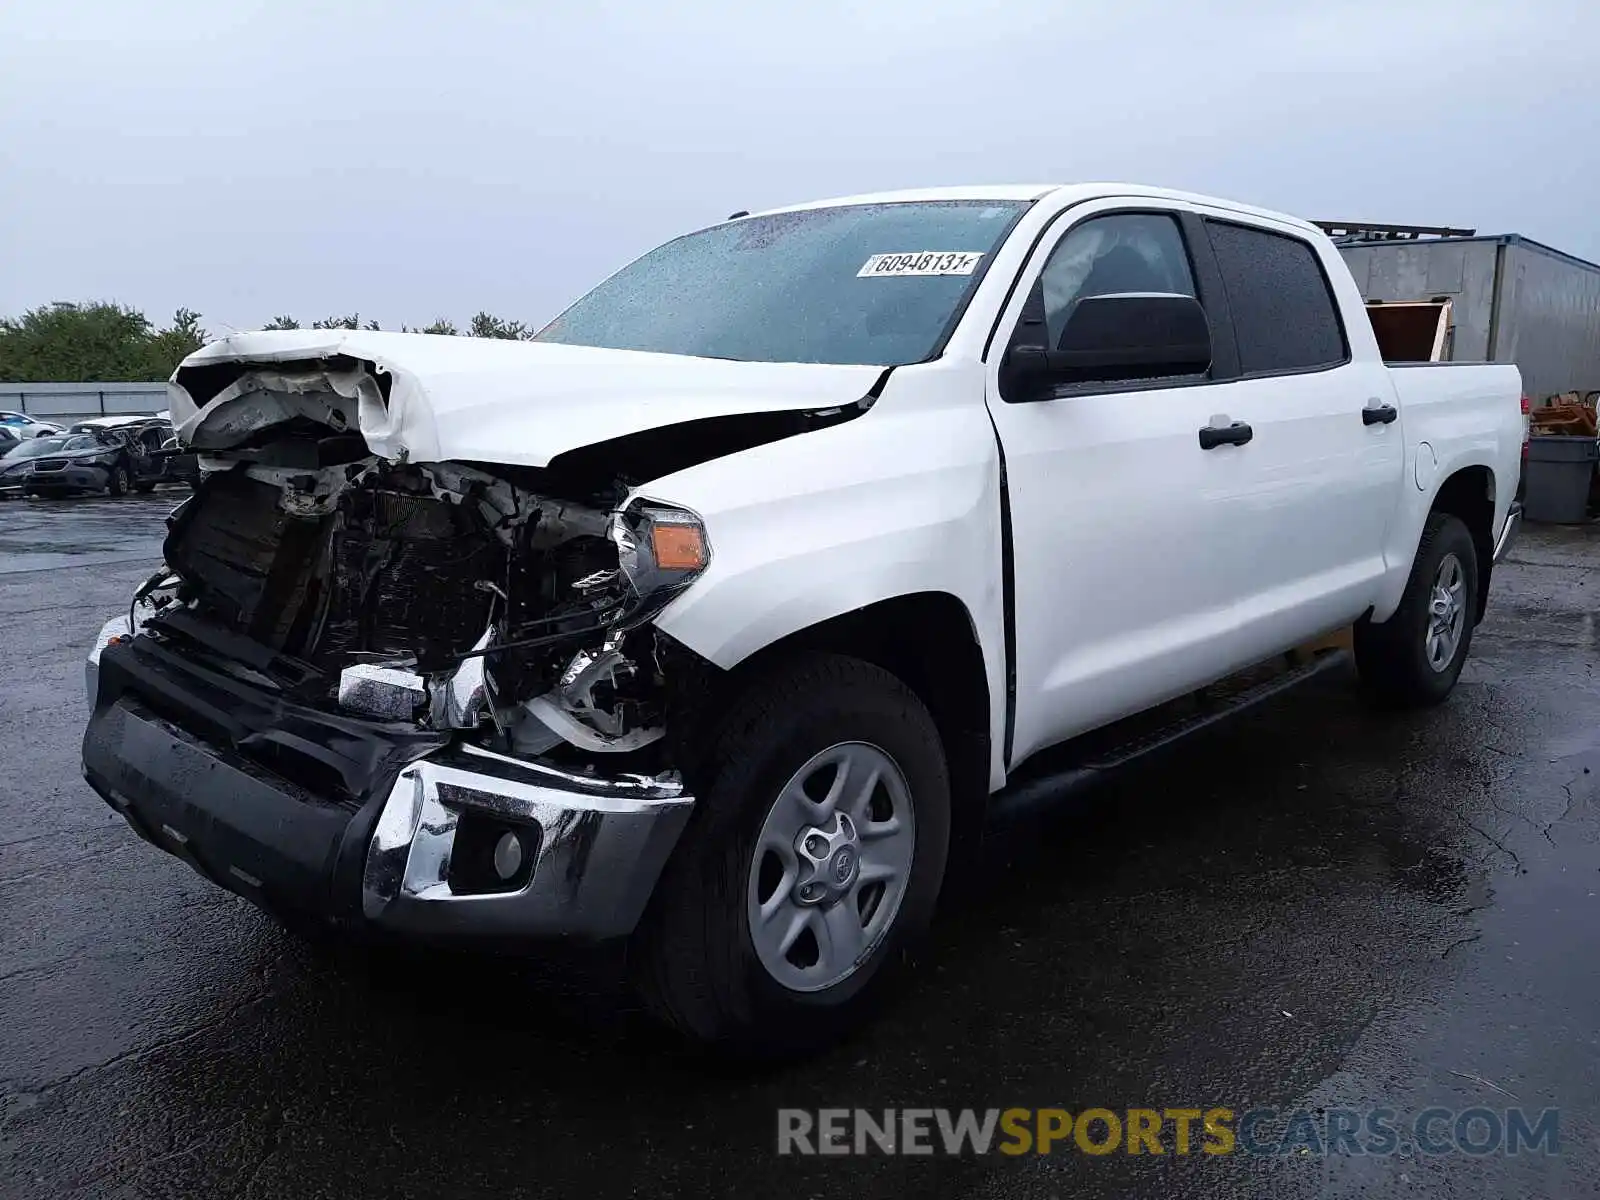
pixel 1114 339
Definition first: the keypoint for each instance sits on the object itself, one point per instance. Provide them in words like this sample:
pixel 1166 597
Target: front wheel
pixel 1415 657
pixel 117 484
pixel 810 866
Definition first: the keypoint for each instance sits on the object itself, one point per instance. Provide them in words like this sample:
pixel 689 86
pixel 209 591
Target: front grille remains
pixel 405 578
pixel 288 580
pixel 249 562
pixel 388 574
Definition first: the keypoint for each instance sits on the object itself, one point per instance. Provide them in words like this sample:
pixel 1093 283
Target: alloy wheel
pixel 1447 613
pixel 831 866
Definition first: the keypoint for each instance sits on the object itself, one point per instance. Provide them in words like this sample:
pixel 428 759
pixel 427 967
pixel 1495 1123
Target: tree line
pixel 74 343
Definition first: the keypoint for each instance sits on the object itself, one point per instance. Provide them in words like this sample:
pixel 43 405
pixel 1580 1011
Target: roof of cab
pixel 1038 191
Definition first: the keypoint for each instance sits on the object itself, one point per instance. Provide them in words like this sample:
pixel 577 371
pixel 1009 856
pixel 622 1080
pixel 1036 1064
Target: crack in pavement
pixel 56 868
pixel 1459 942
pixel 50 968
pixel 1492 840
pixel 140 1053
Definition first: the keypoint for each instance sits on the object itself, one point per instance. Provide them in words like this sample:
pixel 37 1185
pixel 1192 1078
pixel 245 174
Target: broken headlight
pixel 661 549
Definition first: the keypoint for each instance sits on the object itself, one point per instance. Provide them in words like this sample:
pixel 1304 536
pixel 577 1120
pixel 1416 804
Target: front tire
pixel 810 866
pixel 1414 658
pixel 117 484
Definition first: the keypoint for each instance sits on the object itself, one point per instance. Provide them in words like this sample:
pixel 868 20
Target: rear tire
pixel 695 956
pixel 1413 659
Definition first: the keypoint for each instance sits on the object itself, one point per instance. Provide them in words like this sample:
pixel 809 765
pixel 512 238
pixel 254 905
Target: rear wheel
pixel 810 866
pixel 1415 657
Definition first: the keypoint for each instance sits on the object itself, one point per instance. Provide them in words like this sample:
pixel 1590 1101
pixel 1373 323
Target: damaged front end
pixel 458 597
pixel 424 696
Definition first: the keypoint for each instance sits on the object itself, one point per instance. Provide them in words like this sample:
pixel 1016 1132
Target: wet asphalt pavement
pixel 1318 906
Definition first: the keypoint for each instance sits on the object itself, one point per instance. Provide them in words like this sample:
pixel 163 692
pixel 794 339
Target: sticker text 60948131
pixel 922 262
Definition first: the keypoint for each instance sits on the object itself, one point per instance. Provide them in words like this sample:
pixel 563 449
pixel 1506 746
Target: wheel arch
pixel 1468 488
pixel 1468 494
pixel 928 640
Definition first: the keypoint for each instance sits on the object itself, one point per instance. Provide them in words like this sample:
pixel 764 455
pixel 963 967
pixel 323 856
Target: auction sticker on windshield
pixel 922 262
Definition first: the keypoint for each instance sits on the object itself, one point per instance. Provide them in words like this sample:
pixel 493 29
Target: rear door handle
pixel 1380 414
pixel 1236 434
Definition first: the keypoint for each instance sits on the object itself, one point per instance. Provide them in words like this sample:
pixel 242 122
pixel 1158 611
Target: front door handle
pixel 1380 414
pixel 1236 434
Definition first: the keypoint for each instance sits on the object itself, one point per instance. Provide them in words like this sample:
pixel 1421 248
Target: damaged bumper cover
pixel 599 846
pixel 367 823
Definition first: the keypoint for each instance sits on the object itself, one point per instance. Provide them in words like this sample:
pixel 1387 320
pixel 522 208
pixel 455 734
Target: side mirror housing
pixel 1114 339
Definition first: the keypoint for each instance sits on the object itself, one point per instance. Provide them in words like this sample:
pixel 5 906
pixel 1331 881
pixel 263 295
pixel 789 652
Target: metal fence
pixel 83 399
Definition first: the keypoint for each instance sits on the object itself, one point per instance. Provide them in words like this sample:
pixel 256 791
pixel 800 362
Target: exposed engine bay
pixel 453 596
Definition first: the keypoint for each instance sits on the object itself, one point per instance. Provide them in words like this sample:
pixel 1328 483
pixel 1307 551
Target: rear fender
pixel 1406 533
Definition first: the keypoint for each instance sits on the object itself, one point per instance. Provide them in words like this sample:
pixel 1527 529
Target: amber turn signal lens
pixel 678 547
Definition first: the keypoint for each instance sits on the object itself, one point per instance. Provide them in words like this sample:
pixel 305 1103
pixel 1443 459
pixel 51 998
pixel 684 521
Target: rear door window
pixel 1284 313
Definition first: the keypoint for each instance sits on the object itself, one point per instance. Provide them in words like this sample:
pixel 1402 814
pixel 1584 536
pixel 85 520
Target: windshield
pixel 876 284
pixel 54 445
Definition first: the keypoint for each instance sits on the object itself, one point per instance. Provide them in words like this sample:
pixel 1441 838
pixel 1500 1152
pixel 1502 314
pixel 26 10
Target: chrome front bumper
pixel 601 844
pixel 595 844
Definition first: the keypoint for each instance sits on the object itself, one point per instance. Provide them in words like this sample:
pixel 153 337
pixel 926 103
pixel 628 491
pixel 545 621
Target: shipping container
pixel 1494 299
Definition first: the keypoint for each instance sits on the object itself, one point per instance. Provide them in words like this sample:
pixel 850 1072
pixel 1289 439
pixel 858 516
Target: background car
pixel 25 426
pixel 16 460
pixel 110 461
pixel 169 461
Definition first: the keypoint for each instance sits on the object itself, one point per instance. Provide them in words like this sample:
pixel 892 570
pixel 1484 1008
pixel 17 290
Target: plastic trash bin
pixel 1558 473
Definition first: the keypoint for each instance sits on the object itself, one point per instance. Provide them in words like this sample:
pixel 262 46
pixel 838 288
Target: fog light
pixel 490 856
pixel 508 856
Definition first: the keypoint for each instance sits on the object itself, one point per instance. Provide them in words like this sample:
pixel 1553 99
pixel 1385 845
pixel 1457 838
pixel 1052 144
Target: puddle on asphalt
pixel 41 535
pixel 17 564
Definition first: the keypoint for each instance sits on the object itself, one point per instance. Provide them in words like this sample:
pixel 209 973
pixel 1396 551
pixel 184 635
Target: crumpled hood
pixel 508 402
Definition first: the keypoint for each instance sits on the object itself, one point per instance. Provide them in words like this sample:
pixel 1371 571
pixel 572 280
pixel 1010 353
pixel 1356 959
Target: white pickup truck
pixel 720 616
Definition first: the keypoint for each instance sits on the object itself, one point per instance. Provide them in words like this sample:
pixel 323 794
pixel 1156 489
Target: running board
pixel 1036 792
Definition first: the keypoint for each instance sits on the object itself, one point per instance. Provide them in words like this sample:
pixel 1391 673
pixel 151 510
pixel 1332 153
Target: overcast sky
pixel 412 160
